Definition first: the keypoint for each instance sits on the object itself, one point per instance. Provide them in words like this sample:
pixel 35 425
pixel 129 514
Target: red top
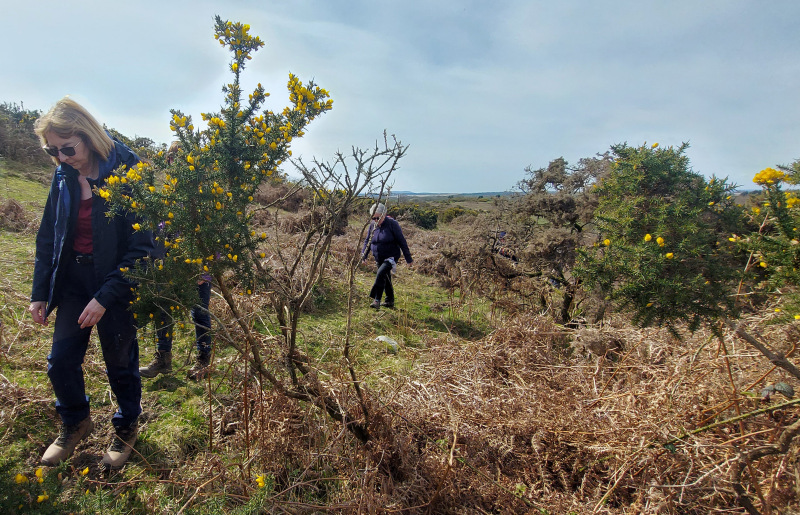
pixel 83 229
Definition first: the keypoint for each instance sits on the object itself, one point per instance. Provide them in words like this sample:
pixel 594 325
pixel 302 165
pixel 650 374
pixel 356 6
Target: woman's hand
pixel 38 310
pixel 92 314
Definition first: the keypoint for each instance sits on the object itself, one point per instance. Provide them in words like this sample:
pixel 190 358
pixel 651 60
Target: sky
pixel 478 90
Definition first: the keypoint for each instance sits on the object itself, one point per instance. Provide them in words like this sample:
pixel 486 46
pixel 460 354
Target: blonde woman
pixel 80 254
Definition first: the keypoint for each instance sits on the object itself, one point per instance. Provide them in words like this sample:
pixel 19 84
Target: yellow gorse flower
pixel 647 237
pixel 768 177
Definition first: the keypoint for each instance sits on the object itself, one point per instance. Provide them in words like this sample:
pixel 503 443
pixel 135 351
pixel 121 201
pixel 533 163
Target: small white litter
pixel 391 345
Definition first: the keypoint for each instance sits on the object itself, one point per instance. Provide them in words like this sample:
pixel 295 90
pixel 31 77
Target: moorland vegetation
pixel 617 337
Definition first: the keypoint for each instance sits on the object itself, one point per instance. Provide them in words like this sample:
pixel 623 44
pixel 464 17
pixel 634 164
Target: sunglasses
pixel 376 217
pixel 67 151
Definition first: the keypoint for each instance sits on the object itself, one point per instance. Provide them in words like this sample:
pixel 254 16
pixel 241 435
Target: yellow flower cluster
pixel 133 175
pixel 660 241
pixel 236 36
pixel 215 120
pixel 768 177
pixel 301 96
pixel 180 122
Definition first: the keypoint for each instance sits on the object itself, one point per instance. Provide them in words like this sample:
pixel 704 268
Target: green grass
pixel 172 458
pixel 18 185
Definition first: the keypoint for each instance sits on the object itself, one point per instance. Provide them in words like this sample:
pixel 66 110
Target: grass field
pixel 475 411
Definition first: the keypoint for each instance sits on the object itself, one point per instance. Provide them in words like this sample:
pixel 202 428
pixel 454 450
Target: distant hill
pixel 400 195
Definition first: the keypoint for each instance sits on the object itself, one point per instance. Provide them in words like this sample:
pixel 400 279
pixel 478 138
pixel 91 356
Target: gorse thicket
pixel 17 139
pixel 775 247
pixel 198 201
pixel 664 252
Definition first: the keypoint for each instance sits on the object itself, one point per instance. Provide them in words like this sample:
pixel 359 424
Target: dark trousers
pixel 202 324
pixel 383 283
pixel 117 333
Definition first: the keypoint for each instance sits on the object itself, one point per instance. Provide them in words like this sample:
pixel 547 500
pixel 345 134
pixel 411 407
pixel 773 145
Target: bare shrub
pixel 278 194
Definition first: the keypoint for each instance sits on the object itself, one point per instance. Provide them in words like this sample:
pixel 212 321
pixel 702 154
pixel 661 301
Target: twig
pixel 737 418
pixel 197 491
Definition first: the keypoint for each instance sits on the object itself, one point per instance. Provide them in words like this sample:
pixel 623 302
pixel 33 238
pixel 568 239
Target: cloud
pixel 478 90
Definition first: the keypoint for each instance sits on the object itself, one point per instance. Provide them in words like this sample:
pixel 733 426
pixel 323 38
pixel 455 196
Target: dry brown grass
pixel 531 412
pixel 530 418
pixel 533 417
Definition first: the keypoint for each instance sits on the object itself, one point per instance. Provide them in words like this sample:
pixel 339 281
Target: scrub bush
pixel 662 249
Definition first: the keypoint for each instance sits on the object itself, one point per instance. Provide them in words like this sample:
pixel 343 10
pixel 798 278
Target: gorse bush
pixel 17 139
pixel 422 217
pixel 449 214
pixel 197 202
pixel 663 251
pixel 201 202
pixel 775 246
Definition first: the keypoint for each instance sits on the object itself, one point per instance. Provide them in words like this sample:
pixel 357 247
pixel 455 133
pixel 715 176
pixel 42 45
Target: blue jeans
pixel 383 283
pixel 117 333
pixel 202 324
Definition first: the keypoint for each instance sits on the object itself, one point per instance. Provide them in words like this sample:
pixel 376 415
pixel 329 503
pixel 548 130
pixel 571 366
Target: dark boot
pixel 201 368
pixel 161 364
pixel 68 438
pixel 121 446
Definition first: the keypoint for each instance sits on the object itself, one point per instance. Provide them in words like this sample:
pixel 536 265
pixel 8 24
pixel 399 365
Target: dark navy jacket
pixel 115 243
pixel 387 242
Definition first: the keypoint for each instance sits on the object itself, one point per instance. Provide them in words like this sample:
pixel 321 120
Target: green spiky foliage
pixel 198 199
pixel 775 247
pixel 662 251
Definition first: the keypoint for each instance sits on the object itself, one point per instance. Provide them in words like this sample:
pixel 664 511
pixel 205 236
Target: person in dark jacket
pixel 386 241
pixel 81 253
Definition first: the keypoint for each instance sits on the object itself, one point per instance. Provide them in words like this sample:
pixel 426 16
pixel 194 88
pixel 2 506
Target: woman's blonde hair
pixel 173 150
pixel 68 118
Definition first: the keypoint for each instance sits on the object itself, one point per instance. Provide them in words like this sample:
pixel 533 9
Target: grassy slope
pixel 174 424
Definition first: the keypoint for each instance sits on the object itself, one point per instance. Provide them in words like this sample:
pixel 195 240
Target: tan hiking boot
pixel 121 446
pixel 68 438
pixel 201 368
pixel 161 364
